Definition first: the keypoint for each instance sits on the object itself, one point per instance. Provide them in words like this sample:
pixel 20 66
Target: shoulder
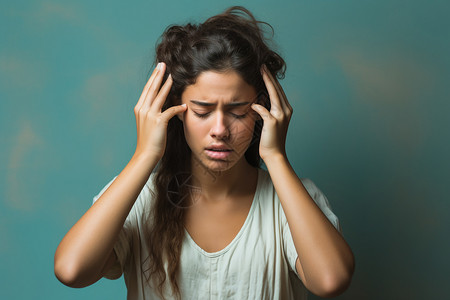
pixel 144 201
pixel 315 193
pixel 265 182
pixel 322 201
pixel 311 187
pixel 144 198
pixel 266 188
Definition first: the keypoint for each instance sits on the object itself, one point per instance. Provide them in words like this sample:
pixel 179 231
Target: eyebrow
pixel 209 104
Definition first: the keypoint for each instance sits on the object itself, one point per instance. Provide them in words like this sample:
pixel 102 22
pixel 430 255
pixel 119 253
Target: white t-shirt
pixel 258 264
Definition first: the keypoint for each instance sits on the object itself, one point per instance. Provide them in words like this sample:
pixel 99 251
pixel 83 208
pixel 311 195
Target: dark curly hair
pixel 233 40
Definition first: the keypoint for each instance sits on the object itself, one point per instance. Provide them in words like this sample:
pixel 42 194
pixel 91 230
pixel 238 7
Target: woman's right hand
pixel 86 251
pixel 151 123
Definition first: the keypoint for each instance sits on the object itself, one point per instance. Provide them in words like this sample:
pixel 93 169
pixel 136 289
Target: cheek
pixel 191 123
pixel 244 132
pixel 193 128
pixel 248 125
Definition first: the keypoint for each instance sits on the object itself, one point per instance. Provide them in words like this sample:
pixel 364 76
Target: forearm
pixel 325 257
pixel 85 249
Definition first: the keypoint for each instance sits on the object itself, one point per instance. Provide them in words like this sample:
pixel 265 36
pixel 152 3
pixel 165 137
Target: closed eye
pixel 234 115
pixel 200 115
pixel 238 116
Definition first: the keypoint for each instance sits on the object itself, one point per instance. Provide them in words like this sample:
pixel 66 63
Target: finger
pixel 271 89
pixel 262 112
pixel 154 86
pixel 147 87
pixel 172 111
pixel 162 95
pixel 281 96
pixel 284 101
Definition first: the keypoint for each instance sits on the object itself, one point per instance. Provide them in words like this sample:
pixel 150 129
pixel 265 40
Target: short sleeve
pixel 322 202
pixel 122 246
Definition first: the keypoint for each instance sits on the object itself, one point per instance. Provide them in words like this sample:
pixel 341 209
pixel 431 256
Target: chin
pixel 214 165
pixel 218 165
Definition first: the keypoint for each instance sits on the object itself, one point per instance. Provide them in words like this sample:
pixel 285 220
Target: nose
pixel 219 127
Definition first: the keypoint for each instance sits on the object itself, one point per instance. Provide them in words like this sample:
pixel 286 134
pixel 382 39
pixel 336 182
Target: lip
pixel 218 151
pixel 218 147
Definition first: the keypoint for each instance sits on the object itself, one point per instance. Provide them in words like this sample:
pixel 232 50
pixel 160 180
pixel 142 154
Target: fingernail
pixel 158 67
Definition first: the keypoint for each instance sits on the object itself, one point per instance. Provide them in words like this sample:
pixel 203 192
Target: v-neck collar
pixel 241 231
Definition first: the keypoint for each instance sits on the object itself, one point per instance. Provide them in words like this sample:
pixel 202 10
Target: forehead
pixel 213 86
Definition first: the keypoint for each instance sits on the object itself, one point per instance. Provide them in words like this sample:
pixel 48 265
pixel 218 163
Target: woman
pixel 192 215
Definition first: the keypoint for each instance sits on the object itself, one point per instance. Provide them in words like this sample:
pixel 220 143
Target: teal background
pixel 368 81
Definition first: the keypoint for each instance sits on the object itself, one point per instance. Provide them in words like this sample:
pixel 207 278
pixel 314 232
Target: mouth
pixel 218 152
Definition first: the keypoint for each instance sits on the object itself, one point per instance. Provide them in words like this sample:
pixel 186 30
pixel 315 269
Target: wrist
pixel 143 158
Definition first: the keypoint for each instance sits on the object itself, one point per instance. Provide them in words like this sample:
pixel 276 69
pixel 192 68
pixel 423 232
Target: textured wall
pixel 368 81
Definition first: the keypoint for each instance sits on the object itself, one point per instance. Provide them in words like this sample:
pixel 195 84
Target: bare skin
pixel 86 251
pixel 219 114
pixel 325 262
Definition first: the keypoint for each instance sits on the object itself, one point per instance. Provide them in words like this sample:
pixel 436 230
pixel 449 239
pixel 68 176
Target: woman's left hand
pixel 276 122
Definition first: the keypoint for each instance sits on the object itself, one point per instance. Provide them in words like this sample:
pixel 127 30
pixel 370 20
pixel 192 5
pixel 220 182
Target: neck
pixel 223 184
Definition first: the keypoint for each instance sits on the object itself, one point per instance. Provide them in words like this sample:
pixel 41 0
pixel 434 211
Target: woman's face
pixel 219 122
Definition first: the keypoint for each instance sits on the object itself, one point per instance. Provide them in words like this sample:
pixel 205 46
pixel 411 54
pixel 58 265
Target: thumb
pixel 174 110
pixel 262 111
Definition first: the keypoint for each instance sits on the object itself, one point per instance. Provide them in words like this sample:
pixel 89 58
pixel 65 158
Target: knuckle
pixel 279 115
pixel 148 115
pixel 143 112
